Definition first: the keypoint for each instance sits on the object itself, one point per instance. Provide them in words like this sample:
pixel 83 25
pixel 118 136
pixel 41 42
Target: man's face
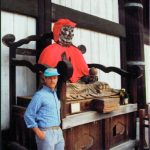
pixel 66 35
pixel 51 82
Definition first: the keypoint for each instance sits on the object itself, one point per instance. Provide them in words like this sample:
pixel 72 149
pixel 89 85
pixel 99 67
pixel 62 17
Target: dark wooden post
pixel 106 132
pixel 12 90
pixel 44 22
pixel 135 49
pixel 122 42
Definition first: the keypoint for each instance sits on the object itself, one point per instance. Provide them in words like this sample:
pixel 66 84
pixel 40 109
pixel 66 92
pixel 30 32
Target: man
pixel 43 114
pixel 52 54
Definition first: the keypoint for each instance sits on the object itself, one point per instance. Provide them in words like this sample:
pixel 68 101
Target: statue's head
pixel 63 31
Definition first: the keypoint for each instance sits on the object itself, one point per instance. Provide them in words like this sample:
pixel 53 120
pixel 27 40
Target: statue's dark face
pixel 66 35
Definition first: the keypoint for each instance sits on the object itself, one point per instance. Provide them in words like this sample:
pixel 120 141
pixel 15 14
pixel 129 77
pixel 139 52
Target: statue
pixel 52 54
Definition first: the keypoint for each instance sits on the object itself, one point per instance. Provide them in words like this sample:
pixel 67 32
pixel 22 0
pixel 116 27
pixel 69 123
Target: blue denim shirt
pixel 43 110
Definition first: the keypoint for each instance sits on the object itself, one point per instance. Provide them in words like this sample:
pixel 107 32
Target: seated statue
pixel 52 54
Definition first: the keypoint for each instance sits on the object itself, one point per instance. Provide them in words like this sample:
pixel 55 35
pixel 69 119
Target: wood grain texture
pixel 84 137
pixel 21 7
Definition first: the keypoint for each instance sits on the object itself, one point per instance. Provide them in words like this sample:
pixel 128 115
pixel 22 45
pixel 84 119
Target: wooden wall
pixel 101 48
pixel 147 71
pixel 21 26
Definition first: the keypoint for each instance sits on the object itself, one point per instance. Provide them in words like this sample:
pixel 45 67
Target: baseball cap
pixel 49 72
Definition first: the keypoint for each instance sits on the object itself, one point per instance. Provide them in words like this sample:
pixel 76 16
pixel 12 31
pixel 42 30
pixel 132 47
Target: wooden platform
pixel 98 131
pixel 91 116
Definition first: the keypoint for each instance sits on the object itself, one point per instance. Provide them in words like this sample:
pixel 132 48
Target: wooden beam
pixel 25 7
pixel 91 116
pixel 87 21
pixel 25 51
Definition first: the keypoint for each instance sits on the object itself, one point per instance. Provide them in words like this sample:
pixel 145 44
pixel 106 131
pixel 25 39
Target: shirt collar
pixel 48 89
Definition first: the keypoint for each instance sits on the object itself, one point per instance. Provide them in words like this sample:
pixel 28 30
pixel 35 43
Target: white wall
pixel 101 48
pixel 21 26
pixel 147 71
pixel 107 9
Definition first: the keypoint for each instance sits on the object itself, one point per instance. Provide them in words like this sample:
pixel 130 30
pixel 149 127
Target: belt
pixel 48 128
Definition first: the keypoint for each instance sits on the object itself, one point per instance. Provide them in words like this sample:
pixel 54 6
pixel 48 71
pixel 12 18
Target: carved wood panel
pixel 84 137
pixel 119 129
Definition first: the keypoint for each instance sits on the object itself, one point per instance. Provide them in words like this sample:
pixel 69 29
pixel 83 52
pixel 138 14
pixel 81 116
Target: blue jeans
pixel 53 140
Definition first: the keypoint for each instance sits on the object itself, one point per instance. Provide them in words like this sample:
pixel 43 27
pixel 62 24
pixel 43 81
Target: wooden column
pixel 122 42
pixel 44 22
pixel 135 49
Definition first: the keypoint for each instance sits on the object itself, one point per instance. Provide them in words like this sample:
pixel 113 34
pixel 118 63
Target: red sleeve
pixel 50 56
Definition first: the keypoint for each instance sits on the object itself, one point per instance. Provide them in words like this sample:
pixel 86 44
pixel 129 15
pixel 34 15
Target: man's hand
pixel 40 134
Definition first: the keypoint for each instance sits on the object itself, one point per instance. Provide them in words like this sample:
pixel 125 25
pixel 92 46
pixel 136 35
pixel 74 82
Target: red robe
pixel 51 55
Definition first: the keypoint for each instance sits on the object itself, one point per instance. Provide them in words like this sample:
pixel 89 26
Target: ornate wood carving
pixel 134 74
pixel 119 129
pixel 9 39
pixel 84 137
pixel 84 142
pixel 34 68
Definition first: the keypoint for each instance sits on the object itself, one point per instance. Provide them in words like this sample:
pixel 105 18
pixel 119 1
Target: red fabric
pixel 58 25
pixel 51 55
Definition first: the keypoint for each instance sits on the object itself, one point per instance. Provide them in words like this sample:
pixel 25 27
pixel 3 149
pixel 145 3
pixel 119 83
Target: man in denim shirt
pixel 43 114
